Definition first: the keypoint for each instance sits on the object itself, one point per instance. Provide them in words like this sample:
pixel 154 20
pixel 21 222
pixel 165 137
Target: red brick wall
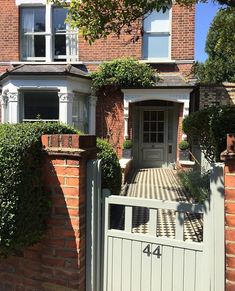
pixel 110 118
pixel 9 24
pixel 183 25
pixel 111 48
pixel 114 47
pixel 58 261
pixel 229 183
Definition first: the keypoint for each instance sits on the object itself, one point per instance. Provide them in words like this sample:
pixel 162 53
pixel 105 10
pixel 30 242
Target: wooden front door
pixel 153 138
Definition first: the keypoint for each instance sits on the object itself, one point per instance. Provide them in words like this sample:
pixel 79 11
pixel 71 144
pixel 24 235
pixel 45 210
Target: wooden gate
pixel 148 262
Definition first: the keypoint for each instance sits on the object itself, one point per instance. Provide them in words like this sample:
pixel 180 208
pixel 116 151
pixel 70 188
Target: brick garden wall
pixel 207 95
pixel 58 261
pixel 229 182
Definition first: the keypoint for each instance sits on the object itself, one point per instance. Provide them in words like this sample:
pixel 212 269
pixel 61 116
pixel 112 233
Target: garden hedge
pixel 24 204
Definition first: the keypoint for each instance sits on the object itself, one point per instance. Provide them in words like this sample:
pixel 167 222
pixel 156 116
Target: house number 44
pixel 156 252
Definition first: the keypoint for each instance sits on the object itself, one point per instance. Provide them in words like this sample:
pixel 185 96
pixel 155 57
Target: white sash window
pixel 45 36
pixel 156 39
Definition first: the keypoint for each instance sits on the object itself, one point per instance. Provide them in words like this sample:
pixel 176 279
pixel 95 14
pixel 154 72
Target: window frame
pixel 49 35
pixel 22 105
pixel 31 33
pixel 68 32
pixel 158 33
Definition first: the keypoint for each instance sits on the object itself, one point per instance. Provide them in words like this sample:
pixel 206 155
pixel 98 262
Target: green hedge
pixel 209 127
pixel 111 170
pixel 196 183
pixel 24 204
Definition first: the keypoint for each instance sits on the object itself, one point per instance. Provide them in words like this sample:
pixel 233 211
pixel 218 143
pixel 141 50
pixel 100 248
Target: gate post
pixel 228 156
pixel 216 238
pixel 93 226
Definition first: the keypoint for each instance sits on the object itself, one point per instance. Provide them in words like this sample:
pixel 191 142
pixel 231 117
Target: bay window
pixel 43 105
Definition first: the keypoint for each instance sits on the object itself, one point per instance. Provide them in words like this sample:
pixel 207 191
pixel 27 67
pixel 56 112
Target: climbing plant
pixel 123 73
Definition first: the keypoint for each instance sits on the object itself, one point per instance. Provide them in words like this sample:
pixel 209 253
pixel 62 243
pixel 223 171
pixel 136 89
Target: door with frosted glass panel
pixel 153 134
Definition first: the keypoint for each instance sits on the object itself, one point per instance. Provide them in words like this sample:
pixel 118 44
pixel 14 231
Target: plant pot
pixel 127 153
pixel 184 155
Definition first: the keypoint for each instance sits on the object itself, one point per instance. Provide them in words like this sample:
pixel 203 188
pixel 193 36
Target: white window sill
pixel 154 61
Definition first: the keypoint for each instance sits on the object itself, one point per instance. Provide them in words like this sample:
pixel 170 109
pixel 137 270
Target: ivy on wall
pixel 123 73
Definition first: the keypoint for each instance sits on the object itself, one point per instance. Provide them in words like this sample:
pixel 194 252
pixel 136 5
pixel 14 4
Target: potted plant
pixel 127 149
pixel 184 150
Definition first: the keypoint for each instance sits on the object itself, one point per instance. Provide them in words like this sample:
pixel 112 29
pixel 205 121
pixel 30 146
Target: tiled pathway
pixel 162 184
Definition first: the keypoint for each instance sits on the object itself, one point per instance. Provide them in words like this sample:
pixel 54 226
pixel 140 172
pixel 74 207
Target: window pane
pixel 155 46
pixel 153 137
pixel 157 22
pixel 33 46
pixel 153 116
pixel 153 126
pixel 160 126
pixel 33 19
pixel 60 44
pixel 43 105
pixel 59 16
pixel 160 137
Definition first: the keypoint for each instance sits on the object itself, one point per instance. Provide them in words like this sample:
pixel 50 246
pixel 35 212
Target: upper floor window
pixel 45 36
pixel 156 39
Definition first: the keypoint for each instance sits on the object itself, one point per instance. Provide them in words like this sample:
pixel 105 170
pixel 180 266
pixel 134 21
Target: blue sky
pixel 205 13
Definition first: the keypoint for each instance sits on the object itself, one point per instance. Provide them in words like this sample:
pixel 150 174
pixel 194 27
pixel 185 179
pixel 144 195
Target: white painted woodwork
pixel 92 114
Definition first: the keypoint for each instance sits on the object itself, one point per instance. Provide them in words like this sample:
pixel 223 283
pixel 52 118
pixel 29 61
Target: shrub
pixel 183 145
pixel 197 184
pixel 123 73
pixel 111 170
pixel 127 144
pixel 208 127
pixel 23 202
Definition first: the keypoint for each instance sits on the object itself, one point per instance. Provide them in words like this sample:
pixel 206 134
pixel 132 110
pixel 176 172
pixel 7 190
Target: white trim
pixel 66 107
pixel 163 60
pixel 92 114
pixel 29 2
pixel 40 63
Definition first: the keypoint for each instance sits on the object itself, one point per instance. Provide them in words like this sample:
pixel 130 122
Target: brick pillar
pixel 229 182
pixel 58 261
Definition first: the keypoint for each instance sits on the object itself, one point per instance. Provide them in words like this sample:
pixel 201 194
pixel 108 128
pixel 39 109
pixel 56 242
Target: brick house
pixel 45 74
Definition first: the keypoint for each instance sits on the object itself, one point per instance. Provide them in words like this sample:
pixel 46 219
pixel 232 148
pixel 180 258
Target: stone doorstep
pixel 186 163
pixel 124 162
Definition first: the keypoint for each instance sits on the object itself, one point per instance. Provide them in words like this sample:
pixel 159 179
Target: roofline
pixel 161 87
pixel 66 73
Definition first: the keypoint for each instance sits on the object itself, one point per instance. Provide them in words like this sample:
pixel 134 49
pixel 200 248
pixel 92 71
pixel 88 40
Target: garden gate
pixel 145 261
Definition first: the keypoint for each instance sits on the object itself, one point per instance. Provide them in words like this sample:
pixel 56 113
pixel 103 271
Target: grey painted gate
pixel 121 260
pixel 146 262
